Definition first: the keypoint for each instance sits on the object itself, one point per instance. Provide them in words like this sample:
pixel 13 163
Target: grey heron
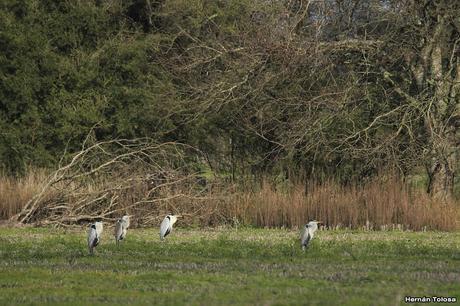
pixel 308 231
pixel 94 235
pixel 121 228
pixel 167 225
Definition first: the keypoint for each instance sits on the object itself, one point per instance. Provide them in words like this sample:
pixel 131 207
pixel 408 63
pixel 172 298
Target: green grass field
pixel 227 267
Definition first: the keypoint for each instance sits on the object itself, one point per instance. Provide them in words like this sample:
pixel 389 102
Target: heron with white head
pixel 308 231
pixel 167 225
pixel 121 228
pixel 94 235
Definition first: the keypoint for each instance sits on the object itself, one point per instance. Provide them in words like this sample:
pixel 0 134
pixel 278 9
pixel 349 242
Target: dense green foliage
pixel 67 67
pixel 227 267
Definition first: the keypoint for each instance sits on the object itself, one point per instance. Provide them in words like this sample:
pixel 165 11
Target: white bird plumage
pixel 121 228
pixel 307 233
pixel 94 235
pixel 167 225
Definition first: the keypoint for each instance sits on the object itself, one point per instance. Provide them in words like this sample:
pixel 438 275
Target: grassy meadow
pixel 227 266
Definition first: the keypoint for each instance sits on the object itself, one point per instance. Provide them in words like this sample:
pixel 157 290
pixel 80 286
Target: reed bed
pixel 15 192
pixel 383 203
pixel 377 205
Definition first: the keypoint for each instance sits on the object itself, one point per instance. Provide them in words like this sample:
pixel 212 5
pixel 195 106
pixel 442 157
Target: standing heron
pixel 308 231
pixel 94 236
pixel 167 225
pixel 121 228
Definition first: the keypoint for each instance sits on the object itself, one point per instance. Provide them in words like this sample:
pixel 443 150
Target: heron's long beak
pixel 320 222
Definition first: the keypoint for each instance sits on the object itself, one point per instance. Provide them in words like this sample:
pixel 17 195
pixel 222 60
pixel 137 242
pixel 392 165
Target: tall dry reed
pixel 376 205
pixel 379 204
pixel 15 192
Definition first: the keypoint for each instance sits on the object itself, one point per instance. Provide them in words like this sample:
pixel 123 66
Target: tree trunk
pixel 437 75
pixel 441 179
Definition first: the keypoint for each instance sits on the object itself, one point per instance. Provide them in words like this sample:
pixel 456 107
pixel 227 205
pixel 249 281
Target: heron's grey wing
pixel 305 239
pixel 165 228
pixel 118 230
pixel 302 232
pixel 92 238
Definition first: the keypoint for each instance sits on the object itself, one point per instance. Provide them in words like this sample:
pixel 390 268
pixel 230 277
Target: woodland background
pixel 260 112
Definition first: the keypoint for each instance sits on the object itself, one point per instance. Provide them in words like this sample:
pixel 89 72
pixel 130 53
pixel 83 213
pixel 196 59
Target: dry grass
pixel 16 192
pixel 379 204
